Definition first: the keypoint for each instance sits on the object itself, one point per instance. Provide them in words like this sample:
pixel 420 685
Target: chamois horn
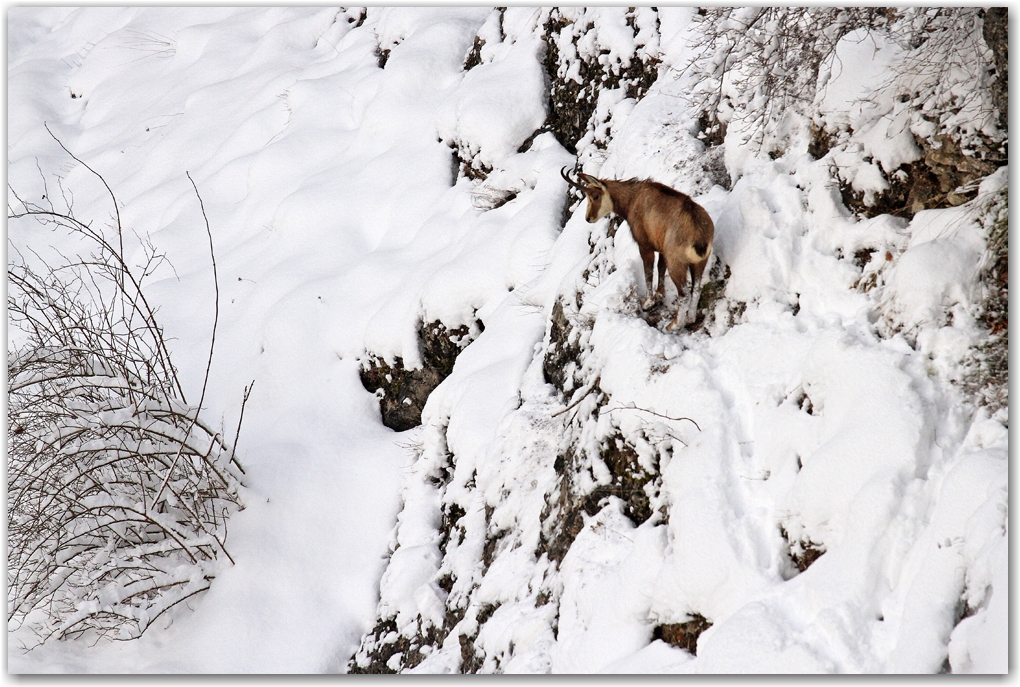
pixel 566 177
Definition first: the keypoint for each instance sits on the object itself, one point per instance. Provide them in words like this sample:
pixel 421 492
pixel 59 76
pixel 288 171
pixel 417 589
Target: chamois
pixel 661 220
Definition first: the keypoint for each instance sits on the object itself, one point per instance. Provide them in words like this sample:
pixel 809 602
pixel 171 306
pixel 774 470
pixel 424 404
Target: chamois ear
pixel 590 180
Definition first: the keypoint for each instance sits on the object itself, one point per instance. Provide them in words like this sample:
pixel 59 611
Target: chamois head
pixel 600 203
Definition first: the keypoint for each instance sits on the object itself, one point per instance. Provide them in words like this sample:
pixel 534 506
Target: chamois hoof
pixel 647 304
pixel 677 324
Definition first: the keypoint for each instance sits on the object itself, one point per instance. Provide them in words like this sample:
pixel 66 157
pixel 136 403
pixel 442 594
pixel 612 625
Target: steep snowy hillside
pixel 468 448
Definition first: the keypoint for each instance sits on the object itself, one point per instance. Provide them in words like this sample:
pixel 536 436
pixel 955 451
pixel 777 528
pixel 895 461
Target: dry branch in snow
pixel 118 492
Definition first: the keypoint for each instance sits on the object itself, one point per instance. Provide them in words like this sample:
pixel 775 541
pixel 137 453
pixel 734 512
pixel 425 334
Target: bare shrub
pixel 760 62
pixel 946 78
pixel 118 492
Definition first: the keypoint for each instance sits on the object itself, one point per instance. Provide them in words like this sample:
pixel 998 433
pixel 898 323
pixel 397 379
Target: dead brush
pixel 118 491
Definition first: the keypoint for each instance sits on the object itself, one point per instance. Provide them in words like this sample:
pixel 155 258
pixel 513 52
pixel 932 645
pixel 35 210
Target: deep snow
pixel 339 225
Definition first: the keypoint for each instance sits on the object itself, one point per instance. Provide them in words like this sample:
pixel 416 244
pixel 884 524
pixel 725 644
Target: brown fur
pixel 662 220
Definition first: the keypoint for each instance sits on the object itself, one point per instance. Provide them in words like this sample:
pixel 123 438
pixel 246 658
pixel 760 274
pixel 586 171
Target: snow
pixel 845 82
pixel 507 89
pixel 826 409
pixel 603 612
pixel 938 268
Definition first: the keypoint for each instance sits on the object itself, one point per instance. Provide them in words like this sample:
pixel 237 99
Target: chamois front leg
pixel 648 258
pixel 680 321
pixel 660 287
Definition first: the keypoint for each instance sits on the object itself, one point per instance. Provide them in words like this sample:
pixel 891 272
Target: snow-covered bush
pixel 925 134
pixel 946 77
pixel 912 139
pixel 118 492
pixel 761 64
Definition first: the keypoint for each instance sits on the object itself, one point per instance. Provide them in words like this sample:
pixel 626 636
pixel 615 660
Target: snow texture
pixel 820 389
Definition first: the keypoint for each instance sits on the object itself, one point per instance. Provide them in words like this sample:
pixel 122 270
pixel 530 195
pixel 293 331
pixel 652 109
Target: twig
pixel 244 401
pixel 212 341
pixel 675 438
pixel 70 222
pixel 652 412
pixel 591 387
pixel 116 209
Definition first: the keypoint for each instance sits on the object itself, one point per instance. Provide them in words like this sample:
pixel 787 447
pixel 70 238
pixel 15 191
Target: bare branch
pixel 116 209
pixel 652 412
pixel 116 487
pixel 591 388
pixel 212 339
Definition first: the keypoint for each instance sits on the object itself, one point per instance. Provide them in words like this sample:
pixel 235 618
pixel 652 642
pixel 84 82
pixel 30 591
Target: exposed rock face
pixel 684 635
pixel 405 391
pixel 573 101
pixel 562 358
pixel 944 177
pixel 953 169
pixel 629 482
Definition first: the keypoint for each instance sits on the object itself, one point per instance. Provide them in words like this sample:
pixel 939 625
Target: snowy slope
pixel 820 396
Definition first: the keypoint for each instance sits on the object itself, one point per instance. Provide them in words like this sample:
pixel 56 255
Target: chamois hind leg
pixel 678 273
pixel 697 269
pixel 647 257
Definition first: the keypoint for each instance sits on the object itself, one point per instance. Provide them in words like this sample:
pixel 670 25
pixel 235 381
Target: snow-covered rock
pixel 813 422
